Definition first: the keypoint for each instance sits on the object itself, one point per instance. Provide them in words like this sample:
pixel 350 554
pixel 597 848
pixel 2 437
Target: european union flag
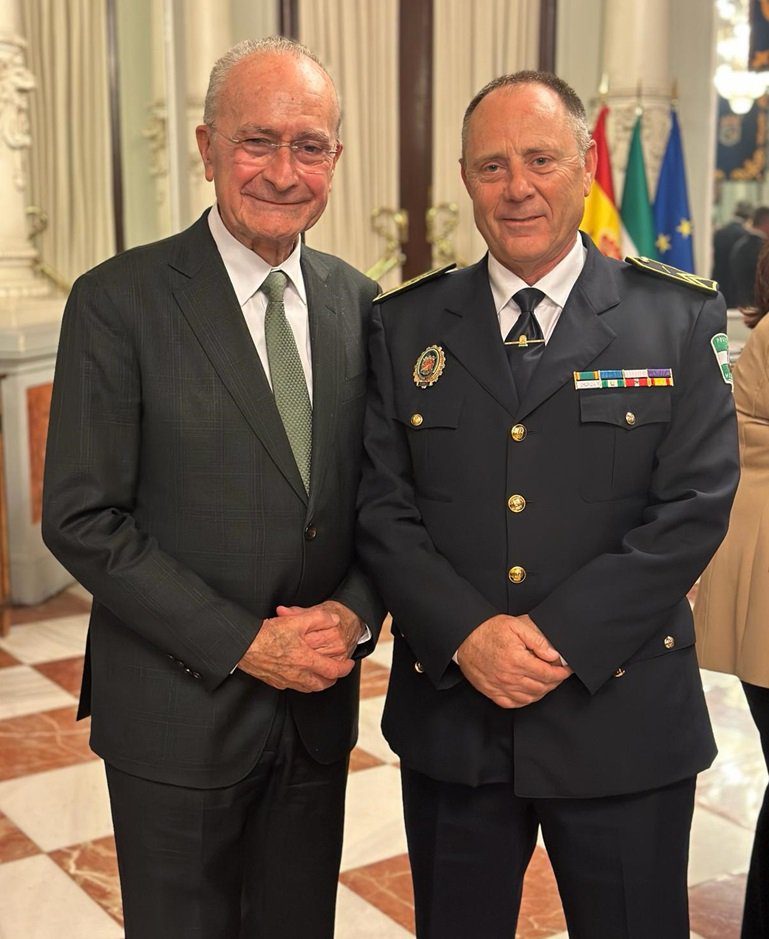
pixel 672 220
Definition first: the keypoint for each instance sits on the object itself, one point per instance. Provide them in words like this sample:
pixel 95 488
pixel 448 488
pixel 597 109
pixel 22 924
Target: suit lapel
pixel 580 335
pixel 326 364
pixel 210 306
pixel 471 332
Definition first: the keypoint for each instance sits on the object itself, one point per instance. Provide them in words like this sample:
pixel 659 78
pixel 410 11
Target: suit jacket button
pixel 418 667
pixel 416 420
pixel 518 432
pixel 310 533
pixel 516 574
pixel 630 418
pixel 669 642
pixel 619 673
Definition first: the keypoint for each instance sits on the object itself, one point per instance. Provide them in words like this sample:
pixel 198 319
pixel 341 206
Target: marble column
pixel 636 68
pixel 649 47
pixel 30 315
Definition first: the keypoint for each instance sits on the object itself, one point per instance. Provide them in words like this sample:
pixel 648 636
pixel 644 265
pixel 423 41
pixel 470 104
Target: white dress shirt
pixel 247 272
pixel 556 286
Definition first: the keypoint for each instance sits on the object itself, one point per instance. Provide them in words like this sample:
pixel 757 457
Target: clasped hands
pixel 304 648
pixel 508 659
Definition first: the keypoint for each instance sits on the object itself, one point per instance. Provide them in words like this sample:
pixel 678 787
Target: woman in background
pixel 732 608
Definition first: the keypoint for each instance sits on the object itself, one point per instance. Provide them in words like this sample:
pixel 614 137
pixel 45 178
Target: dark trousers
pixel 620 862
pixel 755 921
pixel 257 860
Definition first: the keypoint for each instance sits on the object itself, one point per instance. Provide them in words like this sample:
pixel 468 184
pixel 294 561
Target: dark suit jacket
pixel 743 261
pixel 724 240
pixel 172 494
pixel 621 516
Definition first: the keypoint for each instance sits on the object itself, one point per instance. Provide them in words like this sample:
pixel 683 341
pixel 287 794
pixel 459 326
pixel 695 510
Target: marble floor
pixel 57 866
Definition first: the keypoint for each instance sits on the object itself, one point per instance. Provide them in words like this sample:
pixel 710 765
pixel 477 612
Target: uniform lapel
pixel 472 334
pixel 326 365
pixel 581 333
pixel 210 306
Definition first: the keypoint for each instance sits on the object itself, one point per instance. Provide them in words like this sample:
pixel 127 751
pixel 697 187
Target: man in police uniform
pixel 534 513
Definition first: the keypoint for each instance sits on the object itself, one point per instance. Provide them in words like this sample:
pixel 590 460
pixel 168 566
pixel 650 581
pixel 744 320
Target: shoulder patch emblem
pixel 720 346
pixel 419 279
pixel 673 273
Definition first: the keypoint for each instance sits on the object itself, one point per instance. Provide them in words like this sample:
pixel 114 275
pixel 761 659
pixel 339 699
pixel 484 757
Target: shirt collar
pixel 245 268
pixel 556 284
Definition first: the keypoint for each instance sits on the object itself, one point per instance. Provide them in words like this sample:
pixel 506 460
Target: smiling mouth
pixel 281 205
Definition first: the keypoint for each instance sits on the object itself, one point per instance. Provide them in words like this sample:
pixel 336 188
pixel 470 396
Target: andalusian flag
pixel 672 218
pixel 636 210
pixel 601 218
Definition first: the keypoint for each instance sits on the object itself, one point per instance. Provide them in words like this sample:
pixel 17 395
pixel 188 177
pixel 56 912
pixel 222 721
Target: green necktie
pixel 288 382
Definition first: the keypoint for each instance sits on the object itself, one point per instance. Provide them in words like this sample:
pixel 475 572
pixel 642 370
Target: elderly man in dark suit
pixel 551 458
pixel 203 458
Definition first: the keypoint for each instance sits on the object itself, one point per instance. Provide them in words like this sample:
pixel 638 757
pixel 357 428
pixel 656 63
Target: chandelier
pixel 732 79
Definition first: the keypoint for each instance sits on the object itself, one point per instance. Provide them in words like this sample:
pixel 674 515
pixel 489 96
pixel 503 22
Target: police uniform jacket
pixel 593 510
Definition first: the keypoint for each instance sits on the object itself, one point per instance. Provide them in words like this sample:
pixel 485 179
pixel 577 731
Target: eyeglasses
pixel 308 153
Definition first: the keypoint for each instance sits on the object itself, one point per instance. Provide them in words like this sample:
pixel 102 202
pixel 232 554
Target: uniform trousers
pixel 620 861
pixel 256 860
pixel 755 920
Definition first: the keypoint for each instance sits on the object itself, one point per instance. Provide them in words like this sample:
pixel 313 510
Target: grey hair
pixel 278 45
pixel 575 109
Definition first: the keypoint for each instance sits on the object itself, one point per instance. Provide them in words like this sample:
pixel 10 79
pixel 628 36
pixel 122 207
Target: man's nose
pixel 280 169
pixel 518 185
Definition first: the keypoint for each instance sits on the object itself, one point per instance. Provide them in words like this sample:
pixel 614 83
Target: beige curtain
pixel 70 160
pixel 473 43
pixel 357 41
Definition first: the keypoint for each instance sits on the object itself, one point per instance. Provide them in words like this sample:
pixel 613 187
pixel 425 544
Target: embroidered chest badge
pixel 720 346
pixel 625 378
pixel 429 367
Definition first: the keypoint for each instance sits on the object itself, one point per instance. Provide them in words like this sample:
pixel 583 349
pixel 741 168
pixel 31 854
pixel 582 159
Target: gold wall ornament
pixel 393 226
pixel 442 222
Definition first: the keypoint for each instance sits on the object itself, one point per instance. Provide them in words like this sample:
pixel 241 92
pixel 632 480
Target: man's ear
pixel 203 136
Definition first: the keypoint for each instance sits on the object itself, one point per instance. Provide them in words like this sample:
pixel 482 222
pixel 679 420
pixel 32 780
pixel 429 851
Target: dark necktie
pixel 288 381
pixel 525 343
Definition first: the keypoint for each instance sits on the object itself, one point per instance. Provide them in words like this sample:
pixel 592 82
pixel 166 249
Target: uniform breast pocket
pixel 431 425
pixel 619 435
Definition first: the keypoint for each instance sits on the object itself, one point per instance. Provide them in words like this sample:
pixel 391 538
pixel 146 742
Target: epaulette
pixel 673 273
pixel 419 279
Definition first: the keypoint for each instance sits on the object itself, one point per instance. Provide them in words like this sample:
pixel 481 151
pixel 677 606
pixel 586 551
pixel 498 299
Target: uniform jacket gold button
pixel 518 432
pixel 630 418
pixel 619 673
pixel 416 420
pixel 517 574
pixel 669 642
pixel 516 503
pixel 418 667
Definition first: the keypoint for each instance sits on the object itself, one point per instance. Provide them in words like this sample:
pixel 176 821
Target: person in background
pixel 743 258
pixel 731 611
pixel 724 239
pixel 202 465
pixel 551 456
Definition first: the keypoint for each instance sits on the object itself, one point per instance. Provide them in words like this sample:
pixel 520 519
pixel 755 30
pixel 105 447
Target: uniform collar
pixel 556 284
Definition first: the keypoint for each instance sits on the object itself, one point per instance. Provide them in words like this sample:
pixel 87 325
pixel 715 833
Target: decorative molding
pixel 655 128
pixel 155 133
pixel 16 82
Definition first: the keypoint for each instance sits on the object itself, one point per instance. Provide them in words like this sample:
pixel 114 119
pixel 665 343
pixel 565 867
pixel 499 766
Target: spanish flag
pixel 601 218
